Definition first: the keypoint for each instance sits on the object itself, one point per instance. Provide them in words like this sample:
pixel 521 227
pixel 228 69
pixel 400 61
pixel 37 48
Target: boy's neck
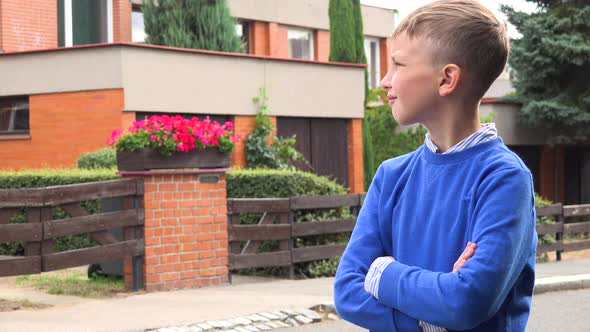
pixel 453 125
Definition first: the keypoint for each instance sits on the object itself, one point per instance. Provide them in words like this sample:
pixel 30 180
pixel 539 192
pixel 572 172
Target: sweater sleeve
pixel 352 302
pixel 504 230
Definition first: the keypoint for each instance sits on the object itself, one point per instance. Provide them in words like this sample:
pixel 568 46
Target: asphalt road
pixel 567 311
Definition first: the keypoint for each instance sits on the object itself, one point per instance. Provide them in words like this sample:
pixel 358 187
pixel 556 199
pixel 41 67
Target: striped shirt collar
pixel 486 133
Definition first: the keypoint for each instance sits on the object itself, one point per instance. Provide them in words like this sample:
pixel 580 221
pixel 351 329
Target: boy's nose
pixel 386 81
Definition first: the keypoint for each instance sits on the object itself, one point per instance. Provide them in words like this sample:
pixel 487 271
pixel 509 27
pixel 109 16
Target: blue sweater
pixel 422 208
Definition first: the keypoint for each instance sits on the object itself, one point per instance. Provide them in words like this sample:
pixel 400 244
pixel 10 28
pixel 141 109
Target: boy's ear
pixel 449 80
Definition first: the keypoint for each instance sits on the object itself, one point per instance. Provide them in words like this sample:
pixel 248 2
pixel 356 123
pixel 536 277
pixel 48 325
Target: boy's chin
pixel 402 119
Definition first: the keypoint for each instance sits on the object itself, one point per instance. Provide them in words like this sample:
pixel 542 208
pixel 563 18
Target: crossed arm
pixel 374 276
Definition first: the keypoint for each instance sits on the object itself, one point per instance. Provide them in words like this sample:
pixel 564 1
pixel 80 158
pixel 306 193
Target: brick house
pixel 79 70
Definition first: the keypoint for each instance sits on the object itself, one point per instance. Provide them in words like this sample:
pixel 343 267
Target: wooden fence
pixel 40 230
pixel 277 223
pixel 565 232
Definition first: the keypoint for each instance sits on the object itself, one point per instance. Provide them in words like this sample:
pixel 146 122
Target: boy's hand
pixel 467 253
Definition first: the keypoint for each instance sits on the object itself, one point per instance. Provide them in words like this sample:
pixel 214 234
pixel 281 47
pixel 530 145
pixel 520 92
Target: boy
pixel 446 237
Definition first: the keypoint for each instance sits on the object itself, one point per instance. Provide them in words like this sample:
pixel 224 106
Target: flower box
pixel 173 142
pixel 147 159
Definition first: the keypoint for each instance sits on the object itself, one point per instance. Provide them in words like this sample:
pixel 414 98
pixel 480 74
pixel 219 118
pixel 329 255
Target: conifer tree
pixel 201 24
pixel 550 66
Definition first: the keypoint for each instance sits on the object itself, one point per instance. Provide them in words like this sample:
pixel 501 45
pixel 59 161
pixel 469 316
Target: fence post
pixel 291 240
pixel 133 267
pixel 235 246
pixel 33 215
pixel 559 235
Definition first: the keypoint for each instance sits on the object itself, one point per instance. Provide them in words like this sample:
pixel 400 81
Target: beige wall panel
pixel 59 71
pixel 170 81
pixel 309 90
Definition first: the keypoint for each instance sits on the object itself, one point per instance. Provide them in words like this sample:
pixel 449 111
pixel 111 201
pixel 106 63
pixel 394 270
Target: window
pixel 373 55
pixel 82 22
pixel 14 116
pixel 243 31
pixel 300 43
pixel 137 25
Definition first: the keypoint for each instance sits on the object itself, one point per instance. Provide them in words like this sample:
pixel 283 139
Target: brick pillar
pixel 121 21
pixel 244 125
pixel 355 155
pixel 321 45
pixel 185 231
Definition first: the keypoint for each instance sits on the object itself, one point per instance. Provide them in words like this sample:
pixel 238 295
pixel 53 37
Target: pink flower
pixel 115 134
pixel 188 134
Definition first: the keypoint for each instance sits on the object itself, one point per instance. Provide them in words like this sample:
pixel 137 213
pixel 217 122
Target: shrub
pixel 260 183
pixel 103 158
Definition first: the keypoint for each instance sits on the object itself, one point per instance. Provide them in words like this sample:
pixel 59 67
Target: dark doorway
pixel 322 141
pixel 577 175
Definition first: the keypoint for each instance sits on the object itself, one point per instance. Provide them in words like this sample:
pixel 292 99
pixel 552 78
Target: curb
pixel 562 283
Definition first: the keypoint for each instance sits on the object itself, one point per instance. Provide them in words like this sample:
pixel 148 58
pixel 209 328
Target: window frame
pixel 311 42
pixel 136 8
pixel 16 133
pixel 245 37
pixel 66 19
pixel 376 74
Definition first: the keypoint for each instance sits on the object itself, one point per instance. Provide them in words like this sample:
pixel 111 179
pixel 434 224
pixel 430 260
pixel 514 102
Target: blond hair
pixel 463 32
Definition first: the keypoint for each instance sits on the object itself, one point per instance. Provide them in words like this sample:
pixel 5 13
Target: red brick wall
pixel 121 21
pixel 28 25
pixel 355 156
pixel 278 35
pixel 268 38
pixel 551 174
pixel 65 125
pixel 186 237
pixel 321 45
pixel 259 38
pixel 244 125
pixel 385 60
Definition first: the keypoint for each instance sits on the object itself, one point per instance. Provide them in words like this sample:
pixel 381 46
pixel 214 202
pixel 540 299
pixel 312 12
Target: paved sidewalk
pixel 248 295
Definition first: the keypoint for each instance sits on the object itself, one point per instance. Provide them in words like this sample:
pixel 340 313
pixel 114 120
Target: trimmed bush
pixel 261 183
pixel 103 158
pixel 53 177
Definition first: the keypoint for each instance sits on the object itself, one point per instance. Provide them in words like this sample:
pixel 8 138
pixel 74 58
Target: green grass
pixel 74 283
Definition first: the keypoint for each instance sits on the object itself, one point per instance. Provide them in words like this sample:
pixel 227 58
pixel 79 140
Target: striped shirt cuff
pixel 430 328
pixel 374 275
